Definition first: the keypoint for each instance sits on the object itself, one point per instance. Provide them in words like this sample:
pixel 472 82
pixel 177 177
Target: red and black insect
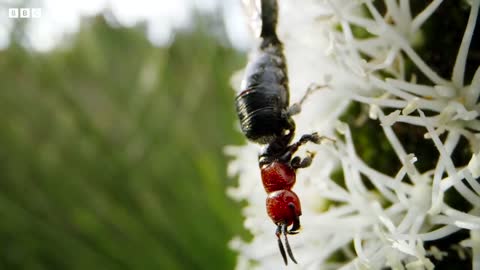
pixel 266 118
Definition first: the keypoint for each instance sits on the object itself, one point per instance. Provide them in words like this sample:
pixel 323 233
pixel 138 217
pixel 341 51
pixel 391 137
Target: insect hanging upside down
pixel 266 118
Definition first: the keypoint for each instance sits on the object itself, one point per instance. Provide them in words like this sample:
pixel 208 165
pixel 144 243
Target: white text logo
pixel 24 13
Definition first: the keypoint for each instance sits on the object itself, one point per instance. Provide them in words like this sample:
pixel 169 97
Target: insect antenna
pixel 280 244
pixel 296 221
pixel 289 250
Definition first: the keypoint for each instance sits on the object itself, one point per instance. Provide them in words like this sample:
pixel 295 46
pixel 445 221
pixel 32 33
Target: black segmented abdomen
pixel 263 103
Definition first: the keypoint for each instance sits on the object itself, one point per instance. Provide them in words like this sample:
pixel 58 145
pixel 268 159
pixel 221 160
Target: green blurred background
pixel 111 151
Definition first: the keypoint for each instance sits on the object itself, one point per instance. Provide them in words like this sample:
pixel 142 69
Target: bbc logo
pixel 24 13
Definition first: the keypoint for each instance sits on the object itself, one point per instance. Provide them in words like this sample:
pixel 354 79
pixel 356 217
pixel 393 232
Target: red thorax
pixel 277 176
pixel 283 205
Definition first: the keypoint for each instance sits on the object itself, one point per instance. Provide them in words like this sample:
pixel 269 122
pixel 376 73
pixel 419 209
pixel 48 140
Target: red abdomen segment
pixel 283 206
pixel 277 176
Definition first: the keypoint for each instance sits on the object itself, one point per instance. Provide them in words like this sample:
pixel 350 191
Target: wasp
pixel 266 118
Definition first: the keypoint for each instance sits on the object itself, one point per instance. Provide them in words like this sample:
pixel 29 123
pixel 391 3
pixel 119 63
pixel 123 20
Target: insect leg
pixel 313 137
pixel 297 162
pixel 296 108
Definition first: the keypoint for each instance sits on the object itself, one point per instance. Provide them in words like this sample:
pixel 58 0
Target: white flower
pixel 373 220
